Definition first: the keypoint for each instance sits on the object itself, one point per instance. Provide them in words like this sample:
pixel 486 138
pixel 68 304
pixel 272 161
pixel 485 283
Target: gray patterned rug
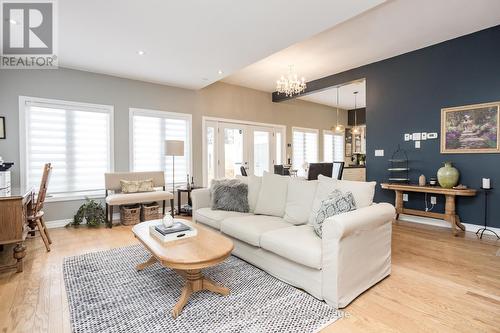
pixel 107 294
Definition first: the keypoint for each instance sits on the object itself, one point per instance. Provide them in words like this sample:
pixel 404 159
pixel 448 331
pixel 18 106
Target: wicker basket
pixel 130 214
pixel 150 211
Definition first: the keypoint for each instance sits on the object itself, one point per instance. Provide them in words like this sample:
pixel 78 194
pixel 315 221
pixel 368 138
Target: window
pixel 76 138
pixel 149 130
pixel 333 147
pixel 279 149
pixel 305 147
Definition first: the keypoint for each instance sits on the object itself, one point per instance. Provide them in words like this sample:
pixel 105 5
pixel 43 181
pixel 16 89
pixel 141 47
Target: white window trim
pixel 23 100
pixel 331 133
pixel 162 114
pixel 309 130
pixel 217 121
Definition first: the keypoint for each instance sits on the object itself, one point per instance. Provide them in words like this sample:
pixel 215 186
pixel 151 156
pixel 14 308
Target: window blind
pixel 75 139
pixel 305 147
pixel 149 131
pixel 333 147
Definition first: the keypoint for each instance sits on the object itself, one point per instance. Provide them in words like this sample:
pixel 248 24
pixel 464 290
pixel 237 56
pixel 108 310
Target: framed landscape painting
pixel 470 129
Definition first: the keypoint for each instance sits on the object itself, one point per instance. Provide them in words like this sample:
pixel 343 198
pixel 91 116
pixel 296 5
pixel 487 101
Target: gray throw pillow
pixel 336 203
pixel 230 195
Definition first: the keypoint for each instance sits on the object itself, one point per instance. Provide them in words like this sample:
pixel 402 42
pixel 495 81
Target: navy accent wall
pixel 405 94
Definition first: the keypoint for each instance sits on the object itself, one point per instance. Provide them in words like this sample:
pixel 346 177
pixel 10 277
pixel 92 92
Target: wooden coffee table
pixel 187 257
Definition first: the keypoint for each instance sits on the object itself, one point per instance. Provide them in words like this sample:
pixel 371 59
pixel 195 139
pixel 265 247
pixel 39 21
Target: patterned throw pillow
pixel 133 186
pixel 336 203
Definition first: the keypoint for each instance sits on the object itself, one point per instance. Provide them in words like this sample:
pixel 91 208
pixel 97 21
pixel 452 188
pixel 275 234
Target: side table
pixel 482 230
pixel 183 210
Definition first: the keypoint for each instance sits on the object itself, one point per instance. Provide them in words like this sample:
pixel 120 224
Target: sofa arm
pixel 200 198
pixel 356 248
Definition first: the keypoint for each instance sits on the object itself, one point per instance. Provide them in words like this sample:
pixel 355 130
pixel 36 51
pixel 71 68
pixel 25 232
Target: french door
pixel 230 146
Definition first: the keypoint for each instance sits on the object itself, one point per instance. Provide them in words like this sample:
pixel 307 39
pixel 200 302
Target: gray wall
pixel 218 100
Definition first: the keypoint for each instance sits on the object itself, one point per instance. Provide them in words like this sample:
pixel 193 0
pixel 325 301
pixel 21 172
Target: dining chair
pixel 38 213
pixel 338 170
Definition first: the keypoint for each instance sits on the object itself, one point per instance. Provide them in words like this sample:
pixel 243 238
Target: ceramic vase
pixel 448 175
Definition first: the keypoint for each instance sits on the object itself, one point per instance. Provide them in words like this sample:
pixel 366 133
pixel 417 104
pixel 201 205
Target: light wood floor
pixel 439 283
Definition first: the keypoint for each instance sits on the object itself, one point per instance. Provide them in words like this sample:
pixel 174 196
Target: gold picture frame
pixel 471 129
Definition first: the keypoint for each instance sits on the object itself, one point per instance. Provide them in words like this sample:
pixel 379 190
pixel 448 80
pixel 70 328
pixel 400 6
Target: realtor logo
pixel 28 35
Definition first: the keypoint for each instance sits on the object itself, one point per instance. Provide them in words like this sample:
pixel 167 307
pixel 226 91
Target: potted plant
pixel 91 212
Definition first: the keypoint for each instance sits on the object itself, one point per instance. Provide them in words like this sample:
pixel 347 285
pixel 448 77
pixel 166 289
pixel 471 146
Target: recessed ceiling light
pixel 220 72
pixel 141 52
pixel 204 79
pixel 13 21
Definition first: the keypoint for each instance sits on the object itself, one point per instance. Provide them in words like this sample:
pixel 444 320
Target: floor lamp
pixel 174 148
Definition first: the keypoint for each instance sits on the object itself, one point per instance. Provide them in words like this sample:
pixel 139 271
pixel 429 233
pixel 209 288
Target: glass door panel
pixel 261 152
pixel 233 154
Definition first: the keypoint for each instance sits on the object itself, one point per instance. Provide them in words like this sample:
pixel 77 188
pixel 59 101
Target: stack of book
pixel 178 230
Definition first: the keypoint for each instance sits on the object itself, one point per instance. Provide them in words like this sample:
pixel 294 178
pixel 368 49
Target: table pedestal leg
pixel 146 264
pixel 399 203
pixel 451 216
pixel 19 254
pixel 195 281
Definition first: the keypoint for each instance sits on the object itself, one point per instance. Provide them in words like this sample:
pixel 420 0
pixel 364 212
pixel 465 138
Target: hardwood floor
pixel 439 283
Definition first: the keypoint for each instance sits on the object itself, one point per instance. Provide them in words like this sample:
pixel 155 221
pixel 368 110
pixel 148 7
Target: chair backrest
pixel 338 169
pixel 243 171
pixel 316 169
pixel 44 184
pixel 112 179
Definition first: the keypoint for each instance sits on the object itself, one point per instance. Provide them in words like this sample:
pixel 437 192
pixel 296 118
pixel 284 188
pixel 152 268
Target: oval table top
pixel 206 249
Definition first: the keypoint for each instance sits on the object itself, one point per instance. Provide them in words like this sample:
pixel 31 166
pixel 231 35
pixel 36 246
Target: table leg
pixel 399 203
pixel 172 209
pixel 146 264
pixel 19 254
pixel 179 202
pixel 450 215
pixel 195 281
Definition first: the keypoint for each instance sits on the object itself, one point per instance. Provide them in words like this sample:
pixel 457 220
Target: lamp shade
pixel 174 148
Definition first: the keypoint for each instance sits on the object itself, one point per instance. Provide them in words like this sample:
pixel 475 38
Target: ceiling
pixel 186 43
pixel 346 96
pixel 393 28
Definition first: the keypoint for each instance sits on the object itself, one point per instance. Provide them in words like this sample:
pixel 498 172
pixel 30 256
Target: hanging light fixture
pixel 290 85
pixel 338 127
pixel 355 130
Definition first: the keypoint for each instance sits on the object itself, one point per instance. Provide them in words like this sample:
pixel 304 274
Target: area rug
pixel 107 294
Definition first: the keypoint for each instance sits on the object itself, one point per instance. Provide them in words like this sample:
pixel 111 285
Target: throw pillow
pixel 336 203
pixel 254 183
pixel 133 186
pixel 362 192
pixel 299 200
pixel 230 195
pixel 272 195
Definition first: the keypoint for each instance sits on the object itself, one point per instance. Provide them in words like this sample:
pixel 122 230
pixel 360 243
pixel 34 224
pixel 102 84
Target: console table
pixel 450 194
pixel 15 207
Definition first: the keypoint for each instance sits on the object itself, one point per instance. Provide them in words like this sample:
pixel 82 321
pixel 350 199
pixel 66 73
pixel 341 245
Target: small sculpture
pixel 421 180
pixel 168 220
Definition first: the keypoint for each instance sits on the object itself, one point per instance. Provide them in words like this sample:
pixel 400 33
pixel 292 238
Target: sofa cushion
pixel 131 198
pixel 213 218
pixel 299 200
pixel 272 195
pixel 254 183
pixel 249 228
pixel 363 192
pixel 299 244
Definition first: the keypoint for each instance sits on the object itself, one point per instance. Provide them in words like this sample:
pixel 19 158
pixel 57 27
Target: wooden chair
pixel 37 217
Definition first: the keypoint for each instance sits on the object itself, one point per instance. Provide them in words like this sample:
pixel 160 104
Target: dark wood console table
pixel 15 207
pixel 449 215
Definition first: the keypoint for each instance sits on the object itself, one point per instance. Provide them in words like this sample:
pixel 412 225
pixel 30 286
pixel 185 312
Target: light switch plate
pixel 405 196
pixel 407 137
pixel 416 136
pixel 432 135
pixel 424 136
pixel 379 152
pixel 417 144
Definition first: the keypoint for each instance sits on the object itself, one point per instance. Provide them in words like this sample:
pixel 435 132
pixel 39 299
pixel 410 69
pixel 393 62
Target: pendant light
pixel 355 130
pixel 338 127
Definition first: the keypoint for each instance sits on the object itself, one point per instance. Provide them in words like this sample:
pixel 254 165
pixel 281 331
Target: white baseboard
pixel 442 223
pixel 62 223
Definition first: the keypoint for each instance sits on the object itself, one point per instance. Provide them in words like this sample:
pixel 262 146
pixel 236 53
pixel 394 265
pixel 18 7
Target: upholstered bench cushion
pixel 131 198
pixel 298 243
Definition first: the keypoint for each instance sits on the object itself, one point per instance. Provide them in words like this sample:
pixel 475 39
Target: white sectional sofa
pixel 353 254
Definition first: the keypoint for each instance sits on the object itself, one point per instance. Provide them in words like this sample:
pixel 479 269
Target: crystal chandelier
pixel 290 85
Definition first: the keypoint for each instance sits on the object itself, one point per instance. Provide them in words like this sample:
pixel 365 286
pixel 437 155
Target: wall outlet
pixel 379 152
pixel 424 136
pixel 407 137
pixel 405 196
pixel 433 200
pixel 417 144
